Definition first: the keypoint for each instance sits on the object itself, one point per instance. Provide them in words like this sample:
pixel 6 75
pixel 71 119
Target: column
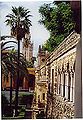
pixel 69 84
pixel 58 82
pixel 71 87
pixel 66 85
pixel 78 82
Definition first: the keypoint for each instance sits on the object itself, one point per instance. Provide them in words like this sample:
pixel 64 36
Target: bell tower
pixel 27 49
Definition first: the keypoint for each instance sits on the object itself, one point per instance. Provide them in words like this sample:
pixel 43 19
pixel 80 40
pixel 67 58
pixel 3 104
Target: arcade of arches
pixel 55 78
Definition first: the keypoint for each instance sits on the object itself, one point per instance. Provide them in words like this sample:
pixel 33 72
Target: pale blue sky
pixel 38 33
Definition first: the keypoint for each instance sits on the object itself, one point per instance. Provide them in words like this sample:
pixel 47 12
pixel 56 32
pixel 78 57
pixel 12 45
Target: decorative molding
pixel 68 43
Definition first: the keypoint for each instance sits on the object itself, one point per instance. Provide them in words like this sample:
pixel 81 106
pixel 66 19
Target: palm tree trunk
pixel 11 91
pixel 17 81
pixel 1 74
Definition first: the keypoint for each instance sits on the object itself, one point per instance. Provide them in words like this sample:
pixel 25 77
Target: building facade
pixel 58 74
pixel 24 84
pixel 41 86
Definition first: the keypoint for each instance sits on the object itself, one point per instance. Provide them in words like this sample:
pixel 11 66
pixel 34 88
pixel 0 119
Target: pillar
pixel 78 81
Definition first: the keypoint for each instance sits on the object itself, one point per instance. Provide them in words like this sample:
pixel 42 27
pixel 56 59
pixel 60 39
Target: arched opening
pixel 31 82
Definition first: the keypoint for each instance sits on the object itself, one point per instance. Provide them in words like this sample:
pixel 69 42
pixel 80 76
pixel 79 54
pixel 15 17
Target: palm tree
pixel 6 65
pixel 9 64
pixel 5 58
pixel 19 23
pixel 9 60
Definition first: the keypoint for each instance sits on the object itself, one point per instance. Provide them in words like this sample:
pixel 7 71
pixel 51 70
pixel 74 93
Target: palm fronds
pixel 9 61
pixel 19 17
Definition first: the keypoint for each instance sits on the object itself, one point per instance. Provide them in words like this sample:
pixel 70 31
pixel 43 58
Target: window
pixel 60 84
pixel 21 83
pixel 62 79
pixel 38 98
pixel 69 84
pixel 49 88
pixel 64 86
pixel 52 80
pixel 43 96
pixel 72 87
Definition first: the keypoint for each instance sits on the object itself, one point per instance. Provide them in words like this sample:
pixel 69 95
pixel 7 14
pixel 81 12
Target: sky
pixel 39 34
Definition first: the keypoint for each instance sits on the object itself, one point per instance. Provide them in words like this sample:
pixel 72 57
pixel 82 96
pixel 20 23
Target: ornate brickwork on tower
pixel 40 85
pixel 41 55
pixel 27 47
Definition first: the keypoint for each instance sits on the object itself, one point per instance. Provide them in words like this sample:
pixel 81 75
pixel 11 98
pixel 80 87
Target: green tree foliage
pixel 57 18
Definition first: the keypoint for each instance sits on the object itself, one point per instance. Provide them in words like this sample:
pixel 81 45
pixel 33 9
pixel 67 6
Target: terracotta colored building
pixel 24 84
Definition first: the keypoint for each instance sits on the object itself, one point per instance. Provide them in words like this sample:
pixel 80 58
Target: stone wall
pixel 58 108
pixel 58 72
pixel 62 109
pixel 49 107
pixel 60 104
